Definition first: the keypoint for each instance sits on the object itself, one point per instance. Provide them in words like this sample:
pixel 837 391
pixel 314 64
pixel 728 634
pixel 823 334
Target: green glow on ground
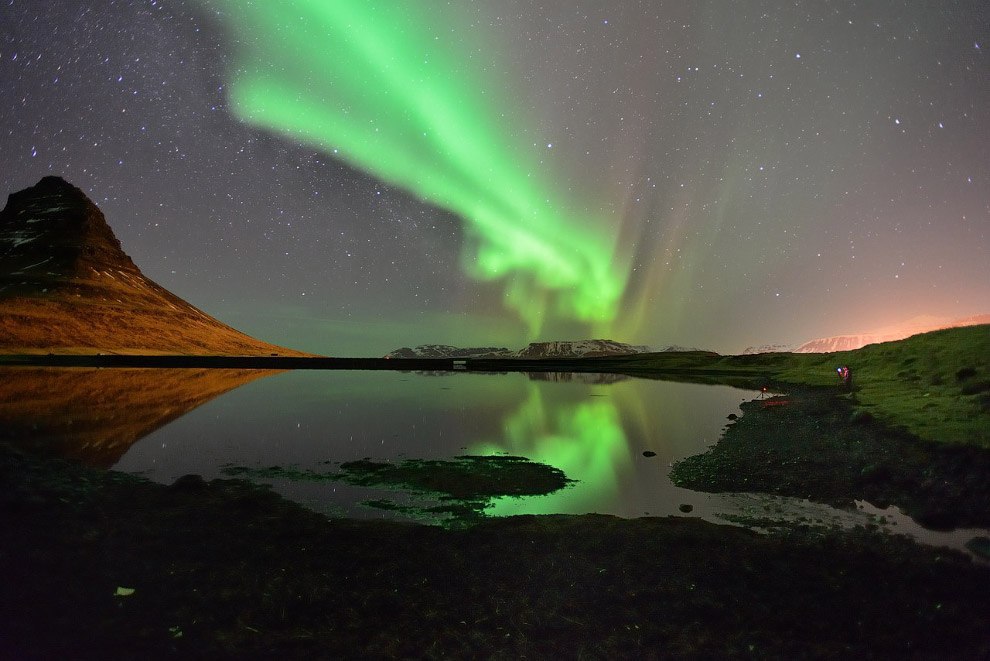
pixel 386 86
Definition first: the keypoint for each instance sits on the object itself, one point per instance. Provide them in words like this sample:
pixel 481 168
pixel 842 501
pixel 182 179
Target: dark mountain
pixel 66 286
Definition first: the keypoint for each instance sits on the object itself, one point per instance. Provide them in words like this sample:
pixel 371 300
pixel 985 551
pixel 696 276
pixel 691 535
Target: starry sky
pixel 714 174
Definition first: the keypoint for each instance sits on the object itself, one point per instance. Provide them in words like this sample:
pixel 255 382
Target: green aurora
pixel 375 84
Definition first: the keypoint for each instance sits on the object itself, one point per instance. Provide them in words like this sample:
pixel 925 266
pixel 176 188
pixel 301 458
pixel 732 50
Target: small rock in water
pixel 686 508
pixel 732 416
pixel 649 453
pixel 189 483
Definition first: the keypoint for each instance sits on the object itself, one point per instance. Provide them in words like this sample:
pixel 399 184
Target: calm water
pixel 595 433
pixel 167 423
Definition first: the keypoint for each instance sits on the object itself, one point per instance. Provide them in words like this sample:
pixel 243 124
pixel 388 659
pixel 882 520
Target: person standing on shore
pixel 845 376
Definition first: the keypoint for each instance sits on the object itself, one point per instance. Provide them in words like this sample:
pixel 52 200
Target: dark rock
pixel 189 484
pixel 980 546
pixel 684 507
pixel 649 453
pixel 860 417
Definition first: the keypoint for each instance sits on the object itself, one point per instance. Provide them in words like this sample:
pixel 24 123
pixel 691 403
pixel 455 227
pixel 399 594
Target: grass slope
pixel 935 386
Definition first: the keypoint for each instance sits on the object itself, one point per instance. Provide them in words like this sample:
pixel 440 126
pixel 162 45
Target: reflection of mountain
pixel 593 378
pixel 66 286
pixel 95 415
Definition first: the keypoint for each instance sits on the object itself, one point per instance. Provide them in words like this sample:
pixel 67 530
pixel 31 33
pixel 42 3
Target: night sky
pixel 350 177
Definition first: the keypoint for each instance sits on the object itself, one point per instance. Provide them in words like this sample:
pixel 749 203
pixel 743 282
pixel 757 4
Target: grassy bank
pixel 935 386
pixel 812 444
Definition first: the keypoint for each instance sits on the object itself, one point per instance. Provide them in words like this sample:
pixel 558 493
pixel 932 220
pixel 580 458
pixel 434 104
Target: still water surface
pixel 167 423
pixel 595 433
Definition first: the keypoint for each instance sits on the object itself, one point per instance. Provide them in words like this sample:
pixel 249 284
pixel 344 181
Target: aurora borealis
pixel 348 178
pixel 386 97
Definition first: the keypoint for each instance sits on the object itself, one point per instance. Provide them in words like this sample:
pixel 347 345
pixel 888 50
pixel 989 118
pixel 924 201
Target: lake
pixel 167 423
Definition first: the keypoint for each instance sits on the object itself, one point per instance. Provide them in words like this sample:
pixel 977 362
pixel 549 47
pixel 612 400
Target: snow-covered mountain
pixel 579 349
pixel 535 350
pixel 447 351
pixel 844 342
pixel 888 334
pixel 766 348
pixel 676 348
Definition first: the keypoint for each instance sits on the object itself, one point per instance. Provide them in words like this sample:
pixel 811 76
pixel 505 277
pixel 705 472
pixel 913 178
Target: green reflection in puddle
pixel 585 440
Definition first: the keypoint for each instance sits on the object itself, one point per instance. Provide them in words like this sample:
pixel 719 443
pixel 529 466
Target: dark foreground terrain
pixel 97 564
pixel 812 443
pixel 101 565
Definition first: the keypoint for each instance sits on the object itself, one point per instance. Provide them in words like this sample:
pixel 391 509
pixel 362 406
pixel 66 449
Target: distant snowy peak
pixel 676 348
pixel 535 350
pixel 889 334
pixel 579 349
pixel 447 351
pixel 844 343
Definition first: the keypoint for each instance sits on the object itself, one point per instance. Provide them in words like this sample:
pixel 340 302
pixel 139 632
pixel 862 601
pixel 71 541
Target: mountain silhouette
pixel 66 286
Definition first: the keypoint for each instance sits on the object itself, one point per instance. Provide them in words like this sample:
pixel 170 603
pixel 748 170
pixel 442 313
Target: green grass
pixel 935 385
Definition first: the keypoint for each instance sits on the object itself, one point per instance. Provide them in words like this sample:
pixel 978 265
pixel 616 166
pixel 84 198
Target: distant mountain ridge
pixel 534 351
pixel 888 334
pixel 766 348
pixel 66 286
pixel 448 351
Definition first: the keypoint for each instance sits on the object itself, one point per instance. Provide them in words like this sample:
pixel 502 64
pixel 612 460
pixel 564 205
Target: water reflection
pixel 593 427
pixel 96 415
pixel 595 432
pixel 585 440
pixel 168 423
pixel 600 440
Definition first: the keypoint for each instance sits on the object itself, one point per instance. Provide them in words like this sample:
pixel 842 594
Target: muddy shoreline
pixel 98 564
pixel 812 443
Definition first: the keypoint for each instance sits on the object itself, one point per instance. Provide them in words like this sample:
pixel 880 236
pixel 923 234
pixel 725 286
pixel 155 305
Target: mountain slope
pixel 66 286
pixel 888 334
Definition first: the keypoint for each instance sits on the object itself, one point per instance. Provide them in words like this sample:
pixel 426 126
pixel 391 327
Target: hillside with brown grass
pixel 66 286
